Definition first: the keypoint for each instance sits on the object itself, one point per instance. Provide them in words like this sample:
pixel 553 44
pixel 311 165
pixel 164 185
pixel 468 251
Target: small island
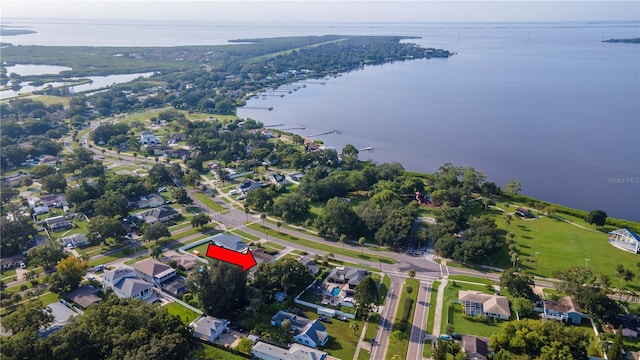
pixel 6 31
pixel 624 41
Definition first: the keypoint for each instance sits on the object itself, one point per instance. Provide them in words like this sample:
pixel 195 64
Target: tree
pixel 156 251
pixel 121 329
pixel 598 217
pixel 343 240
pixel 523 308
pixel 247 211
pixel 181 197
pixel 200 220
pixel 102 228
pixel 293 208
pixel 245 345
pixel 396 338
pixel 615 351
pixel 69 275
pixel 55 183
pixel 262 217
pixel 155 231
pixel 412 273
pixel 589 289
pixel 41 170
pixel 529 337
pixel 220 287
pixel 362 241
pixel 518 284
pixel 444 348
pixel 46 255
pixel 112 204
pixel 285 274
pixel 29 316
pixel 624 274
pixel 286 326
pixel 15 234
pixel 513 187
pixel 366 295
pixel 354 327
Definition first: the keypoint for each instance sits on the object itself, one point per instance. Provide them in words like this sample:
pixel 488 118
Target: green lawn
pixel 402 347
pixel 472 279
pixel 452 312
pixel 49 298
pixel 185 314
pixel 210 203
pixel 248 236
pixel 322 246
pixel 560 245
pixel 432 306
pixel 384 289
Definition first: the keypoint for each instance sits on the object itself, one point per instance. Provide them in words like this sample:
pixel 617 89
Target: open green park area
pixel 550 243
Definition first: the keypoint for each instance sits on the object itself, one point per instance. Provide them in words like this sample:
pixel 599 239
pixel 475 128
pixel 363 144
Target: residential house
pixel 39 210
pixel 61 315
pixel 75 240
pixel 249 185
pixel 626 240
pixel 174 138
pixel 49 160
pixel 54 200
pixel 208 328
pixel 567 310
pixel 308 262
pixel 11 261
pixel 57 223
pixel 307 332
pixel 159 214
pixel 630 325
pixel 124 283
pixel 477 303
pixel 229 241
pixel 148 138
pixel 160 275
pixel 183 261
pixel 278 179
pixel 476 348
pixel 84 296
pixel 150 201
pixel 295 177
pixel 347 275
pixel 265 351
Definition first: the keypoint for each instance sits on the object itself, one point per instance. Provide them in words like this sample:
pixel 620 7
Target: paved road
pixel 416 340
pixel 381 345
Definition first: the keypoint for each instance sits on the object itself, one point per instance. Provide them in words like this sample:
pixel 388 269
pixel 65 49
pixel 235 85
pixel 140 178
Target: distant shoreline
pixel 6 31
pixel 623 41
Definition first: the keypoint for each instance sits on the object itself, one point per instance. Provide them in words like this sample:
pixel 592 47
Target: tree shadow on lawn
pixel 524 228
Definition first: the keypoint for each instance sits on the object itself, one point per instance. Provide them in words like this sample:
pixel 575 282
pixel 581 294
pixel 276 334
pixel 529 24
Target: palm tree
pixel 246 211
pixel 286 325
pixel 343 240
pixel 278 224
pixel 362 241
pixel 354 327
pixel 412 273
pixel 263 216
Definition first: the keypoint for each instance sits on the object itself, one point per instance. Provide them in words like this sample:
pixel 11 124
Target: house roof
pixel 348 274
pixel 312 328
pixel 207 325
pixel 114 276
pixel 187 261
pixel 317 332
pixel 158 213
pixel 229 241
pixel 84 296
pixel 132 286
pixel 11 260
pixel 295 352
pixel 56 220
pixel 626 233
pixel 153 267
pixel 566 305
pixel 492 304
pixel 475 347
pixel 630 322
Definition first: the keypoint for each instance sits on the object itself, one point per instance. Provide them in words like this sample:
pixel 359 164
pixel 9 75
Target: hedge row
pixel 404 317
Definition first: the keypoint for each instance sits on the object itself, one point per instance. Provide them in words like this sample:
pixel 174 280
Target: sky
pixel 325 10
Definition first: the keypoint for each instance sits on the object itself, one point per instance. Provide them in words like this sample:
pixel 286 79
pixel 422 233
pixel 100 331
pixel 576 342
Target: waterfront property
pixel 307 332
pixel 625 239
pixel 476 303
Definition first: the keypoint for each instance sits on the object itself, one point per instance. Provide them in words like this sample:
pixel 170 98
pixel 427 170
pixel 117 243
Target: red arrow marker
pixel 245 260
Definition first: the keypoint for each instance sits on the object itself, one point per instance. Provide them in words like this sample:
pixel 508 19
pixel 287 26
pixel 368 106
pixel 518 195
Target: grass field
pixel 323 247
pixel 547 244
pixel 208 352
pixel 210 203
pixel 185 314
pixel 402 346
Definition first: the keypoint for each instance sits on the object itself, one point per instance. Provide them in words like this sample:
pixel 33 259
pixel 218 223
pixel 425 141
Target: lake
pixel 547 104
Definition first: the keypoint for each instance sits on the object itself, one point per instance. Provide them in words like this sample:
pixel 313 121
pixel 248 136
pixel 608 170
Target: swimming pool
pixel 335 291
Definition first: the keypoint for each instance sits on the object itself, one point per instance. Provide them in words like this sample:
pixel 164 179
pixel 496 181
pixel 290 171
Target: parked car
pixel 234 192
pixel 241 197
pixel 342 318
pixel 324 319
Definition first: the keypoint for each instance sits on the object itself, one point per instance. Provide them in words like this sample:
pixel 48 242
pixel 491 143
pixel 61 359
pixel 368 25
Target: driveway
pixel 231 338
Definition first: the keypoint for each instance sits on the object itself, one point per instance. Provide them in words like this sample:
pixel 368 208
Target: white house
pixel 150 201
pixel 307 332
pixel 626 240
pixel 148 138
pixel 208 328
pixel 477 303
pixel 125 284
pixel 75 240
pixel 265 351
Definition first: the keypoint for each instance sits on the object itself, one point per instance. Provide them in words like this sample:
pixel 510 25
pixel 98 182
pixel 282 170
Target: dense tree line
pixel 113 329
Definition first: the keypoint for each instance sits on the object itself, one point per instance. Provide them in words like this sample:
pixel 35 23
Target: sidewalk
pixel 437 319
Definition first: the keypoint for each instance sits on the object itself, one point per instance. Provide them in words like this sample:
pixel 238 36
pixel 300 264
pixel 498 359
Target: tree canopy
pixel 220 287
pixel 285 274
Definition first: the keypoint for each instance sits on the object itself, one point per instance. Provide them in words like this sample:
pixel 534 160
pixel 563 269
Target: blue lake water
pixel 547 104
